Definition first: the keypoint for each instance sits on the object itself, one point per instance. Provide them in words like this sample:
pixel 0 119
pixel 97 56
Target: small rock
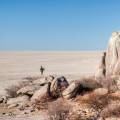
pixel 40 82
pixel 50 78
pixel 3 113
pixel 12 105
pixel 11 114
pixel 101 91
pixel 1 100
pixel 32 110
pixel 25 113
pixel 118 83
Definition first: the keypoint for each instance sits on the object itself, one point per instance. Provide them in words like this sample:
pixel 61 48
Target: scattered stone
pixel 82 112
pixel 21 108
pixel 17 100
pixel 11 114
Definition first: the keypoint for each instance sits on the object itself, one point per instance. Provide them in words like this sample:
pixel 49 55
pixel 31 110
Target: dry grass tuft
pixel 112 109
pixel 105 105
pixel 109 83
pixel 74 116
pixel 12 90
pixel 98 102
pixel 58 110
pixel 42 103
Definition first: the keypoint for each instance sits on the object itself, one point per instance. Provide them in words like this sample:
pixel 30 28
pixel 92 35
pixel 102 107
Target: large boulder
pixel 17 100
pixel 28 90
pixel 100 91
pixel 79 87
pixel 58 85
pixel 113 55
pixel 71 91
pixel 52 89
pixel 39 93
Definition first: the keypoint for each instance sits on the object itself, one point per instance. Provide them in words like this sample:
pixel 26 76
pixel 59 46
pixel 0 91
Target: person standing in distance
pixel 42 70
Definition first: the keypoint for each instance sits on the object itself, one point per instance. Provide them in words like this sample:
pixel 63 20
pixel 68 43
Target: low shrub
pixel 58 110
pixel 12 90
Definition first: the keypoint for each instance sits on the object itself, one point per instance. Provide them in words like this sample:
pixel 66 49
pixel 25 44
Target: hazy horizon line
pixel 52 50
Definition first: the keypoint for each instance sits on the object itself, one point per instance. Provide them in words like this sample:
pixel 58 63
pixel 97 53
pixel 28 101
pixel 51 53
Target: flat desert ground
pixel 15 66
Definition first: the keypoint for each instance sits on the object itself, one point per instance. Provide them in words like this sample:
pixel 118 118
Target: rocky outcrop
pixel 101 72
pixel 80 86
pixel 110 61
pixel 113 55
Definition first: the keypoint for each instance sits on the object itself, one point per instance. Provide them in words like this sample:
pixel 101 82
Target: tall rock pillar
pixel 113 55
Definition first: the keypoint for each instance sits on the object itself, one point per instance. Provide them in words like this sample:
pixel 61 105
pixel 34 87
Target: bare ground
pixel 15 66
